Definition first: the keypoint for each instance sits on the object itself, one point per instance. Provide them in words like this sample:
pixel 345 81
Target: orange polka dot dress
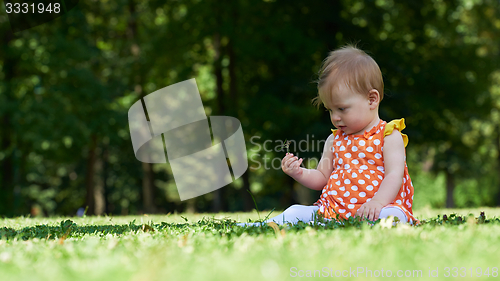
pixel 358 171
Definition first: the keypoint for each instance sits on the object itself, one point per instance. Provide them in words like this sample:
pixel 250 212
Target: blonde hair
pixel 351 66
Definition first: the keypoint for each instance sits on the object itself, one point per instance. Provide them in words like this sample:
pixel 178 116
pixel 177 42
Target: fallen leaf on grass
pixel 276 229
pixel 183 241
pixel 147 228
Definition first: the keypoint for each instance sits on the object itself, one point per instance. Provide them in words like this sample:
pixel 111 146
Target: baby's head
pixel 350 86
pixel 349 67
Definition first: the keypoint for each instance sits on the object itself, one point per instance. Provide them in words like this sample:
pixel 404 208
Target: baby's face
pixel 349 110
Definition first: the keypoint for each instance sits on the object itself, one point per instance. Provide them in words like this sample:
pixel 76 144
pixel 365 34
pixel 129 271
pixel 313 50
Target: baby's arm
pixel 314 179
pixel 394 164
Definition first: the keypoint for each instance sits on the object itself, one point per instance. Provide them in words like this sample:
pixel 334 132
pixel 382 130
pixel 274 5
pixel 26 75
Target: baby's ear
pixel 374 98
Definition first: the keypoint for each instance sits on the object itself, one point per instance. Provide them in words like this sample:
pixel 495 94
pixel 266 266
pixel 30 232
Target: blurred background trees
pixel 66 87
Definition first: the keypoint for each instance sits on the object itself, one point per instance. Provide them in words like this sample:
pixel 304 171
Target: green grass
pixel 210 247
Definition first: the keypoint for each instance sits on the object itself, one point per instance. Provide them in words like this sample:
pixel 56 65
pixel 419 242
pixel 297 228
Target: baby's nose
pixel 336 117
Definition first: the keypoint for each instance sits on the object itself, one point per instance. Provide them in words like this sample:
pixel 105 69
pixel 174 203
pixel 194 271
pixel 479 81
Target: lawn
pixel 210 247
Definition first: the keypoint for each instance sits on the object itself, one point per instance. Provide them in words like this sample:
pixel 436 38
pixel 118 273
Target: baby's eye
pixel 341 108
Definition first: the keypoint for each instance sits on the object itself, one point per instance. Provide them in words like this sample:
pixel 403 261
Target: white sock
pixel 293 214
pixel 395 212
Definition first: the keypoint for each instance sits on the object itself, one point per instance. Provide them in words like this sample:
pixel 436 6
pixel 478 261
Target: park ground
pixel 464 245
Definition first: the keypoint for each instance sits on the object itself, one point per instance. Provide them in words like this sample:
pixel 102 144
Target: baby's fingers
pixel 371 215
pixel 377 213
pixel 291 161
pixel 364 211
pixel 286 159
pixel 359 212
pixel 287 156
pixel 297 163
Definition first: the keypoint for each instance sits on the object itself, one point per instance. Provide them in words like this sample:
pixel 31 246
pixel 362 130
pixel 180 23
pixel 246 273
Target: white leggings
pixel 296 213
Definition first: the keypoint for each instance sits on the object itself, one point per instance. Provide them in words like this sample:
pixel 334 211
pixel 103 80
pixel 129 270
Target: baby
pixel 362 171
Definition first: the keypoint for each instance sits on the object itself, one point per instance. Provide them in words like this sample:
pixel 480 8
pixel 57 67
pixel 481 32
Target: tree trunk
pixel 105 187
pixel 191 206
pixel 498 163
pixel 147 168
pixel 217 194
pixel 7 177
pixel 147 188
pixel 99 201
pixel 248 203
pixel 303 194
pixel 233 93
pixel 20 180
pixel 288 197
pixel 218 74
pixel 89 177
pixel 132 21
pixel 450 187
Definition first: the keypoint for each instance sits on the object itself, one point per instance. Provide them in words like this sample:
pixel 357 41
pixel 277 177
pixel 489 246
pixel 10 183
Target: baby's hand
pixel 291 165
pixel 370 210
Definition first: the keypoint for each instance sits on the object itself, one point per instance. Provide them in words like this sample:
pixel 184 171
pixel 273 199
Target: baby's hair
pixel 351 66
